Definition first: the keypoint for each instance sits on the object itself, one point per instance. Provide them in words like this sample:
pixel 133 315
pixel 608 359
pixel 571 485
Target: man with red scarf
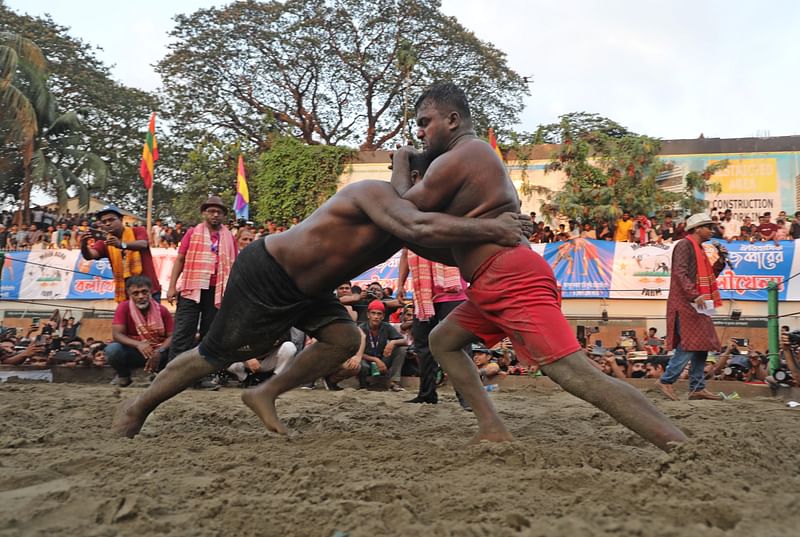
pixel 693 289
pixel 142 332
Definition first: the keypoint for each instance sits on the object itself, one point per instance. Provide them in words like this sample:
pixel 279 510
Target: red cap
pixel 376 305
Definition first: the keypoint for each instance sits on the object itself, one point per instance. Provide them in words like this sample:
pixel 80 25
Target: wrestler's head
pixel 442 110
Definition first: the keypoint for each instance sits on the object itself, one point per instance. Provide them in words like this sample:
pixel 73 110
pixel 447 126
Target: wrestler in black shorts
pixel 261 302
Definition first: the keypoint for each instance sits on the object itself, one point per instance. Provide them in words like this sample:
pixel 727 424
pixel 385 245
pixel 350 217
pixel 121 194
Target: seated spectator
pixel 142 332
pixel 11 355
pixel 487 363
pixel 271 363
pixel 652 343
pixel 385 347
pixel 655 366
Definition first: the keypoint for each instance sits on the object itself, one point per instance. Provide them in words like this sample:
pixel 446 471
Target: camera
pixel 783 375
pixel 794 337
pixel 736 371
pixel 741 341
pixel 97 234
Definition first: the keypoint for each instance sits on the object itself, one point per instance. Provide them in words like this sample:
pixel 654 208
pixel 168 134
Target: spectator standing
pixel 438 290
pixel 624 227
pixel 690 331
pixel 765 230
pixel 3 237
pixel 127 249
pixel 794 229
pixel 142 330
pixel 731 226
pixel 155 234
pixel 204 258
pixel 604 232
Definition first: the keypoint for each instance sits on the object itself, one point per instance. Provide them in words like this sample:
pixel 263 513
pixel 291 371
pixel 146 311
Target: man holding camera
pixel 693 290
pixel 127 249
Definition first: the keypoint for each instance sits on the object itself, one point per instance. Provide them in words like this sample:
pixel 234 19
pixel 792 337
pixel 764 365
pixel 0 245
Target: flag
pixel 493 143
pixel 242 203
pixel 149 154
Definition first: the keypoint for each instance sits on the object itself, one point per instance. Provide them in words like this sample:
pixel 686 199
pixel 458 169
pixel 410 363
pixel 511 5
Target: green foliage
pixel 293 178
pixel 327 71
pixel 113 116
pixel 610 170
pixel 47 149
pixel 209 169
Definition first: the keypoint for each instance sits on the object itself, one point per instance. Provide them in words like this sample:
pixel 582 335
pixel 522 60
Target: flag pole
pixel 149 212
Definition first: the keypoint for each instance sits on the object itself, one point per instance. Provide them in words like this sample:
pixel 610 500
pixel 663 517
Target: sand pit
pixel 366 464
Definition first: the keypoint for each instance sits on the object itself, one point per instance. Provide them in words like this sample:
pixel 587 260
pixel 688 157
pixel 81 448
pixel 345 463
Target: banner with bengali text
pixel 584 269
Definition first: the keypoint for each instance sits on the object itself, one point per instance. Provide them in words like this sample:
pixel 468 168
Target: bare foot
pixel 264 407
pixel 126 421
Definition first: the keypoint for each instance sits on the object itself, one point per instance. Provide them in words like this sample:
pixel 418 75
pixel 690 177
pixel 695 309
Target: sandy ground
pixel 365 464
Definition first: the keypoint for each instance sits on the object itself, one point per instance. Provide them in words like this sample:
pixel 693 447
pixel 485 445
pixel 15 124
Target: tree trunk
pixel 27 157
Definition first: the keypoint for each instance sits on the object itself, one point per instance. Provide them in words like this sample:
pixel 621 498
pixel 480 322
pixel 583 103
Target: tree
pixel 24 102
pixel 112 116
pixel 50 146
pixel 331 72
pixel 293 179
pixel 610 171
pixel 209 169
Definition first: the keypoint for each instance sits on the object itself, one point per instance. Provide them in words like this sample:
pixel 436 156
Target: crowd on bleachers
pixel 385 320
pixel 664 229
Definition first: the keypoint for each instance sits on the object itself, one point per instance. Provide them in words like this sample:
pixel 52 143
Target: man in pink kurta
pixel 690 332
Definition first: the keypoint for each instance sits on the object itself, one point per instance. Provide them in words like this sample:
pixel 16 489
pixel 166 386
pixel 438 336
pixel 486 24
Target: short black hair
pixel 445 93
pixel 138 281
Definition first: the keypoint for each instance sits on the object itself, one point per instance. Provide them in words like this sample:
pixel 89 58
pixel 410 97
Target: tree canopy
pixel 610 170
pixel 112 116
pixel 327 71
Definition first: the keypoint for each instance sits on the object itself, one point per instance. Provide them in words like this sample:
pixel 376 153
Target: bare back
pixel 336 243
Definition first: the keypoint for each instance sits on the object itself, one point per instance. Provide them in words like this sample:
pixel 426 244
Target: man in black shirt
pixel 385 347
pixel 794 229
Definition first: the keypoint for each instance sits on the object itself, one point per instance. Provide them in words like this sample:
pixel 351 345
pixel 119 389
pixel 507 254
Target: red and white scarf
pixel 425 275
pixel 706 279
pixel 150 328
pixel 200 263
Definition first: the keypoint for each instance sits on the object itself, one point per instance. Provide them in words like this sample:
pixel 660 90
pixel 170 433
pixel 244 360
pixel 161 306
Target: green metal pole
pixel 772 327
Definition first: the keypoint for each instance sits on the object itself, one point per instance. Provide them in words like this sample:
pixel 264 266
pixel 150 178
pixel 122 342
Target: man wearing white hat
pixel 693 289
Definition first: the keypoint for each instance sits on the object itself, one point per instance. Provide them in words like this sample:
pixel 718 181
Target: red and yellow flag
pixel 493 143
pixel 149 154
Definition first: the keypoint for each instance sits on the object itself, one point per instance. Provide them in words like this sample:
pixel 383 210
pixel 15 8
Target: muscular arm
pixel 402 219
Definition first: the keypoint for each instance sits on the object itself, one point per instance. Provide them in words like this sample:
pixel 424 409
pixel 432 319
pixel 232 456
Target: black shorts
pixel 260 304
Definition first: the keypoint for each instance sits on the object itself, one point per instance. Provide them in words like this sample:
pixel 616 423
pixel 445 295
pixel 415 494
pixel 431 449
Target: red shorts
pixel 514 294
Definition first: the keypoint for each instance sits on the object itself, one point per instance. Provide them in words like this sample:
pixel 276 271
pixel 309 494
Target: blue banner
pixel 582 267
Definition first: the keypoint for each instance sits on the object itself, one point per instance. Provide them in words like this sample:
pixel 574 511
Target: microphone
pixel 719 247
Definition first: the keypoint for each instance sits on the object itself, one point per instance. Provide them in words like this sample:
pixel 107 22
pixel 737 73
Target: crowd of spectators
pixel 385 320
pixel 665 229
pixel 51 342
pixel 50 229
pixel 634 357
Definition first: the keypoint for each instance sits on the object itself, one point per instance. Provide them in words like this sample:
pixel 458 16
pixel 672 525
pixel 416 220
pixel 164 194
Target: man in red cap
pixel 385 347
pixel 204 259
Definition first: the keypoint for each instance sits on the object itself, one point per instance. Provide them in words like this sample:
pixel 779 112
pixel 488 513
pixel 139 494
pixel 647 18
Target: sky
pixel 671 70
